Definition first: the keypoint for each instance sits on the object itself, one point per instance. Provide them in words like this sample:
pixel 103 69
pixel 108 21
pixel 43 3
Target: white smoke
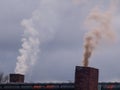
pixel 30 48
pixel 38 29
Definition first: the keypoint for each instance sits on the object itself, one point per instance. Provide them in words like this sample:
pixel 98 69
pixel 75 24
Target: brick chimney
pixel 16 78
pixel 86 78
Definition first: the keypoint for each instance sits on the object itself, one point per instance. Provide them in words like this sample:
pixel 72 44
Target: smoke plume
pixel 100 25
pixel 37 30
pixel 30 48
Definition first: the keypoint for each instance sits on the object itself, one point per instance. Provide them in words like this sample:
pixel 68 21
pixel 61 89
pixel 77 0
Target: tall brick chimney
pixel 16 78
pixel 86 78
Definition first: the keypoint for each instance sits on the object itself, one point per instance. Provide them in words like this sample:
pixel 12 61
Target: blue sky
pixel 61 50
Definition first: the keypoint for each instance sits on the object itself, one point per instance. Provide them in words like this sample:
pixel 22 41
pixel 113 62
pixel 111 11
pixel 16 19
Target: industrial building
pixel 54 86
pixel 86 78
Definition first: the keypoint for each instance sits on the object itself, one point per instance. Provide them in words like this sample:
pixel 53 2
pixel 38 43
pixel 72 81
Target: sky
pixel 61 32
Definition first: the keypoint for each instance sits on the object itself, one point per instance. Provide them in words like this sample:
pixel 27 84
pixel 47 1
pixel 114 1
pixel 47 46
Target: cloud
pixel 62 52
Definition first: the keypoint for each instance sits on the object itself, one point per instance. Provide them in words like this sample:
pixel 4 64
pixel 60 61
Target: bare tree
pixel 3 78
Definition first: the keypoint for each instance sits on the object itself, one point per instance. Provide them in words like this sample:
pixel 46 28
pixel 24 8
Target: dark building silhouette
pixel 86 78
pixel 16 78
